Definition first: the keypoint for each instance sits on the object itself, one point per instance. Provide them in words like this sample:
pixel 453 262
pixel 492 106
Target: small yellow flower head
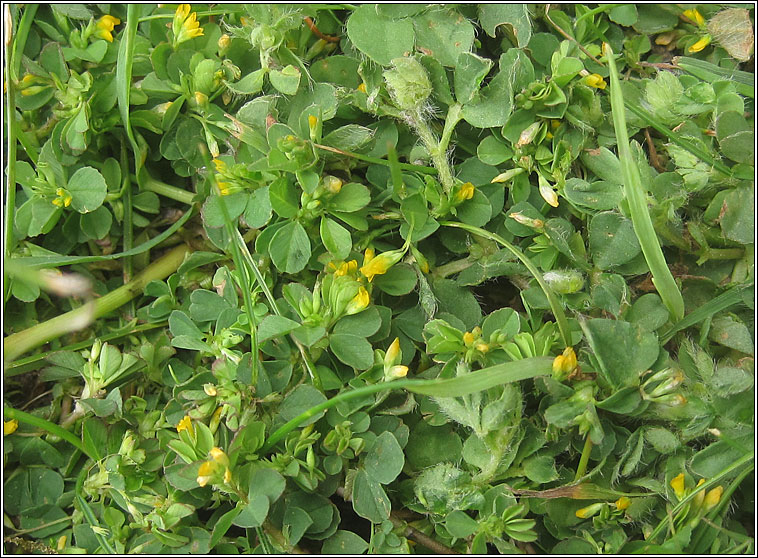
pixel 186 424
pixel 596 81
pixel 224 188
pixel 379 265
pixel 564 364
pixel 9 427
pixel 63 199
pixel 312 121
pixel 219 456
pixel 362 87
pixel 185 25
pixel 697 500
pixel 220 165
pixel 228 476
pixel 27 80
pixel 104 27
pixel 482 347
pixel 468 338
pixel 393 354
pixel 201 99
pixel 396 372
pixel 358 303
pixel 61 544
pixel 700 45
pixel 695 16
pixel 677 483
pixel 590 510
pixel 466 192
pixel 346 268
pixel 622 503
pixel 712 498
pixel 223 42
pixel 332 184
pixel 205 472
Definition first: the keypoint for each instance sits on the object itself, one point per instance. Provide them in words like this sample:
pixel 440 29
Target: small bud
pixel 528 135
pixel 677 483
pixel 522 219
pixel 712 498
pixel 695 16
pixel 590 510
pixel 700 45
pixel 507 175
pixel 622 503
pixel 547 192
pixel 219 456
pixel 223 43
pixel 596 81
pixel 393 354
pixel 210 390
pixel 396 372
pixel 9 427
pixel 358 303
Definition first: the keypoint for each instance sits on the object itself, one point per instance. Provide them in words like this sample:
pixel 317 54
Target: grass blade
pixel 479 380
pixel 635 195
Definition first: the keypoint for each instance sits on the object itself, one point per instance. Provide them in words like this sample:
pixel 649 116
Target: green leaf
pixel 732 333
pixel 336 238
pixel 254 513
pixel 623 350
pixel 351 349
pixel 735 136
pixel 492 105
pixel 613 241
pixel 385 459
pixel 379 38
pixel 444 34
pixel 273 327
pixel 87 188
pixel 344 542
pixel 514 16
pixel 96 224
pixel 301 399
pixel 369 499
pixel 258 209
pixel 459 524
pixel 290 248
pixel 213 213
pixel 399 280
pixel 599 195
pixel 349 138
pixel 350 198
pixel 285 80
pixel 477 211
pixel 625 15
pixel 222 525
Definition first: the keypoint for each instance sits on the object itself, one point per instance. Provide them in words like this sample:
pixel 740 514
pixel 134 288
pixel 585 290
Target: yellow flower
pixel 185 25
pixel 228 476
pixel 466 192
pixel 701 44
pixel 9 427
pixel 186 424
pixel 393 354
pixel 395 372
pixel 220 166
pixel 482 347
pixel 219 456
pixel 595 80
pixel 378 265
pixel 358 303
pixel 695 16
pixel 712 498
pixel 63 199
pixel 104 27
pixel 622 503
pixel 564 363
pixel 468 338
pixel 210 390
pixel 332 184
pixel 224 188
pixel 677 483
pixel 362 87
pixel 205 472
pixel 590 510
pixel 312 121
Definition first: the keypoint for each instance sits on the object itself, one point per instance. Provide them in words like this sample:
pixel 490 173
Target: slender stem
pixel 598 10
pixel 555 304
pixel 126 187
pixel 52 428
pixel 451 268
pixel 454 115
pixel 434 148
pixel 376 161
pixel 163 189
pixel 584 460
pixel 23 341
pixel 635 196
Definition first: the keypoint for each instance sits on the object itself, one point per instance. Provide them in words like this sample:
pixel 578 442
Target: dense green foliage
pixel 379 278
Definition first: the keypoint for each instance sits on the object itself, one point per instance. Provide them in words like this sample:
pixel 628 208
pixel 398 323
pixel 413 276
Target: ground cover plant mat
pixel 378 279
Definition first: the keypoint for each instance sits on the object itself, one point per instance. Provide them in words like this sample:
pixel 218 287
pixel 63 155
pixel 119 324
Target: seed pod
pixel 408 83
